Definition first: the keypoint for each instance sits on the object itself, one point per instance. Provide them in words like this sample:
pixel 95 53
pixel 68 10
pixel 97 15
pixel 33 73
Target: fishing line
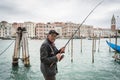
pixel 6 48
pixel 83 22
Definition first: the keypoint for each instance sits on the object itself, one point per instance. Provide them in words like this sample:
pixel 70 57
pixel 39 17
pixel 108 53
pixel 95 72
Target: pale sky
pixel 60 11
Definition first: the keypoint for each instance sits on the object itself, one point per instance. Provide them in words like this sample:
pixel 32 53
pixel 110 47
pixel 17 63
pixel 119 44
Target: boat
pixel 114 46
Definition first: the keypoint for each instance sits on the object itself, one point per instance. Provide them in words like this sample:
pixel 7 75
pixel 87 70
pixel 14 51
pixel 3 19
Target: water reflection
pixel 20 73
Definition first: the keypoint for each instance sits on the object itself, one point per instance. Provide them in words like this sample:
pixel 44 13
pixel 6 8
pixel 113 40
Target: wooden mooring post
pixel 81 44
pixel 99 43
pixel 72 50
pixel 68 48
pixel 116 54
pixel 17 47
pixel 95 38
pixel 110 41
pixel 21 41
pixel 25 49
pixel 93 44
pixel 80 40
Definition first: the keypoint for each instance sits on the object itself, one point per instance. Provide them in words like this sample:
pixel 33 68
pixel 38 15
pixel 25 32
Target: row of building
pixel 65 29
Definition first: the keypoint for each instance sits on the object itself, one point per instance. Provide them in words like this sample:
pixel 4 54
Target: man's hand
pixel 62 50
pixel 58 56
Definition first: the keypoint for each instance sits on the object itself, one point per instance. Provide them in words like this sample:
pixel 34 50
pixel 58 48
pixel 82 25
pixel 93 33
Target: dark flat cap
pixel 53 32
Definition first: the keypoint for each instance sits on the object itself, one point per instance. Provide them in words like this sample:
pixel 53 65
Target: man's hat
pixel 53 32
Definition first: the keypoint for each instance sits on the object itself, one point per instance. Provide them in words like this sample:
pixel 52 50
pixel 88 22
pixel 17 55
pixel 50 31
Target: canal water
pixel 82 68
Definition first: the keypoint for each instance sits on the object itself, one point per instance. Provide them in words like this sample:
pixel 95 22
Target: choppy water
pixel 104 67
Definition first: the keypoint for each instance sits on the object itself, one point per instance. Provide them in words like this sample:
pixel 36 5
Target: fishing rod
pixel 79 28
pixel 83 21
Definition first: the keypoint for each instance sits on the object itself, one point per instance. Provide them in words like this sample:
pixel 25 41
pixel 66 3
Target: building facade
pixel 5 29
pixel 65 30
pixel 30 26
pixel 42 30
pixel 58 27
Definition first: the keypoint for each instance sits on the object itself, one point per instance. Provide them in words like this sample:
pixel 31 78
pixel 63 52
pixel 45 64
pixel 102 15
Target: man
pixel 49 56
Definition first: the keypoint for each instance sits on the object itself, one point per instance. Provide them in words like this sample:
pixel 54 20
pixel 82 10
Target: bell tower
pixel 113 23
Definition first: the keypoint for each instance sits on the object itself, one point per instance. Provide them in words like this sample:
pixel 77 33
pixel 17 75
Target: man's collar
pixel 49 41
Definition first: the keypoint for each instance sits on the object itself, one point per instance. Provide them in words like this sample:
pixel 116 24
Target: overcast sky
pixel 60 10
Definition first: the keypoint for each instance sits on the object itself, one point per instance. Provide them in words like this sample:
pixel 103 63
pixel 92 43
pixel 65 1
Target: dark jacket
pixel 48 56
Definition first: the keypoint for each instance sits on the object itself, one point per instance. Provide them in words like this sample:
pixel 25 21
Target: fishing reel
pixel 62 56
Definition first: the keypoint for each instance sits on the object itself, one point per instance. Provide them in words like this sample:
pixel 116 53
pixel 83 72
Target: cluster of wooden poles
pixel 93 47
pixel 94 38
pixel 21 41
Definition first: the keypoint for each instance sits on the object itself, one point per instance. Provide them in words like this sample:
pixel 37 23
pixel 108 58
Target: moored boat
pixel 114 46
